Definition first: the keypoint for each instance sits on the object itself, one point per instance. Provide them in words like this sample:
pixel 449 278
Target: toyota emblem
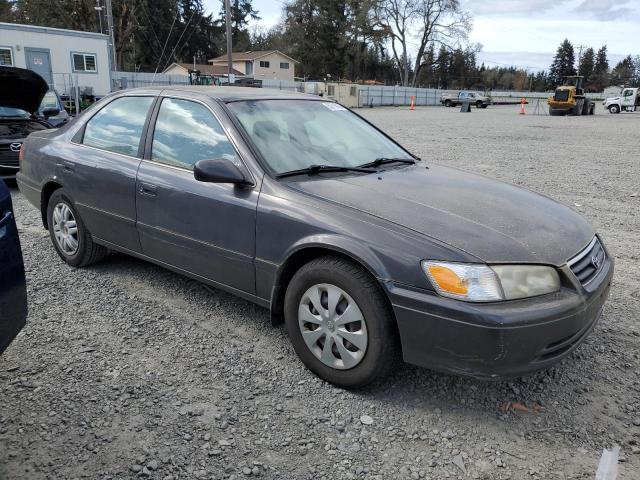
pixel 595 262
pixel 15 147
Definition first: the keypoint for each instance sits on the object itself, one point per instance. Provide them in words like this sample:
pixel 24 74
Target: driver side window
pixel 186 132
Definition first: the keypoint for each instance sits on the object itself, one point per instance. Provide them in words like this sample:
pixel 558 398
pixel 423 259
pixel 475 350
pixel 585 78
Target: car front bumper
pixel 501 339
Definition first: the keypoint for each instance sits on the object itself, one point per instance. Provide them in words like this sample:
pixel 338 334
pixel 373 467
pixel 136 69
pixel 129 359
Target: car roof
pixel 228 94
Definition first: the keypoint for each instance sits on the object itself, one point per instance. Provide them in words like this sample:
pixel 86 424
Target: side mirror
pixel 50 112
pixel 219 170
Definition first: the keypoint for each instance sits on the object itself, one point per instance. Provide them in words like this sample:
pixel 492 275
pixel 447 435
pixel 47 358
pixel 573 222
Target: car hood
pixel 23 89
pixel 491 220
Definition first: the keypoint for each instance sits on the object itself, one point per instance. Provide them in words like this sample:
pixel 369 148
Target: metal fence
pixel 287 85
pixel 122 80
pixel 375 96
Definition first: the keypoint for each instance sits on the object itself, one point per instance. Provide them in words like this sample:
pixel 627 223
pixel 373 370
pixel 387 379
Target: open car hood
pixel 21 88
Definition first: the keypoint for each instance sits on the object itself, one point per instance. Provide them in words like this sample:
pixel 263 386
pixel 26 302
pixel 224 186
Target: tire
pixel 485 105
pixel 554 113
pixel 447 103
pixel 62 219
pixel 614 108
pixel 586 106
pixel 592 110
pixel 378 351
pixel 479 104
pixel 577 108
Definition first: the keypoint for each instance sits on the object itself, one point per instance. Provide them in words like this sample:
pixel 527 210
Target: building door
pixel 39 61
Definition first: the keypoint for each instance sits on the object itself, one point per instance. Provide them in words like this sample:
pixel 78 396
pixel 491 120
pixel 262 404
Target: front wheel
pixel 69 235
pixel 479 104
pixel 614 109
pixel 340 324
pixel 447 103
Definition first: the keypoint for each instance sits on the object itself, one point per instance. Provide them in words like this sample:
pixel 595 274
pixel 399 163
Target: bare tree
pixel 419 23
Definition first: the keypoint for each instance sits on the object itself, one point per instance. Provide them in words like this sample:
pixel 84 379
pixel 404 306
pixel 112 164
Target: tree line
pixel 405 42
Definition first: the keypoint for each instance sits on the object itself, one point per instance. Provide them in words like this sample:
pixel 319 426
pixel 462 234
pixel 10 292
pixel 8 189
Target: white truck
pixel 627 101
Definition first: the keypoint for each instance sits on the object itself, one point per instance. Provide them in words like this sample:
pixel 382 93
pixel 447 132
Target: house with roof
pixel 205 69
pixel 260 65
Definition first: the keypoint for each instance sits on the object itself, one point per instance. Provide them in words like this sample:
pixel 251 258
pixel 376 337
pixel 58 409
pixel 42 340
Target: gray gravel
pixel 127 370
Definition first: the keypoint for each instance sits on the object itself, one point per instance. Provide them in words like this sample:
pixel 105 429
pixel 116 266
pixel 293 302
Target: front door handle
pixel 6 216
pixel 67 167
pixel 147 189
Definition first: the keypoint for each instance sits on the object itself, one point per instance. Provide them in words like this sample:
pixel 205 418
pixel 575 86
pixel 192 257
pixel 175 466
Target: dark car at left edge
pixel 21 113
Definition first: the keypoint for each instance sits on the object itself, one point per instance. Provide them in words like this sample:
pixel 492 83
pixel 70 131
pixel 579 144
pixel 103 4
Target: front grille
pixel 561 95
pixel 8 158
pixel 586 265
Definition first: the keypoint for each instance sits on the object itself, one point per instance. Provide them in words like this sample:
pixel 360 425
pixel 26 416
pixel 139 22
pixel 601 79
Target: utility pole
pixel 98 8
pixel 109 15
pixel 227 9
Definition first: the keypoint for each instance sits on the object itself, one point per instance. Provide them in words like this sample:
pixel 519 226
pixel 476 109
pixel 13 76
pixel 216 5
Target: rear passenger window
pixel 118 126
pixel 186 132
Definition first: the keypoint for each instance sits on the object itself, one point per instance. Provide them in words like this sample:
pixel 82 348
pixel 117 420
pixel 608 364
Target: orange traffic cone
pixel 522 102
pixel 413 103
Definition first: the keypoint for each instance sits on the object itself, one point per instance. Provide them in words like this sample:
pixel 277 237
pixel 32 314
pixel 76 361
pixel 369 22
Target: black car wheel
pixel 479 104
pixel 340 324
pixel 447 103
pixel 70 237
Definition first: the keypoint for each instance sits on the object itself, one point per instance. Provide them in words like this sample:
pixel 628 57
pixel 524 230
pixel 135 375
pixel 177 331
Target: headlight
pixel 481 283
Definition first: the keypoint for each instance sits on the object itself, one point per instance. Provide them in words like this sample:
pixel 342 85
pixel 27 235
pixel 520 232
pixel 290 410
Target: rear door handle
pixel 148 189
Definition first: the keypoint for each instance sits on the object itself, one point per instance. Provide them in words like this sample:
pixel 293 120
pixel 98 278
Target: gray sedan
pixel 367 253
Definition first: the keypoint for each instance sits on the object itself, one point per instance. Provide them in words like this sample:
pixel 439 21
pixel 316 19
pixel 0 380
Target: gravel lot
pixel 127 370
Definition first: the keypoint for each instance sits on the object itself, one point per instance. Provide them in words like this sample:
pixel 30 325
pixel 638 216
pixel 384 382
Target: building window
pixel 6 57
pixel 331 90
pixel 284 65
pixel 353 91
pixel 84 62
pixel 264 64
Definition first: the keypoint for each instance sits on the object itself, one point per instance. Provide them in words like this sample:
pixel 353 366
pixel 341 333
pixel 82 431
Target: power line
pixel 163 48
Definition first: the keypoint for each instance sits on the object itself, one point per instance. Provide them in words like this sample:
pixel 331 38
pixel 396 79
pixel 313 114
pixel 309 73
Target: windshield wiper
pixel 384 160
pixel 314 169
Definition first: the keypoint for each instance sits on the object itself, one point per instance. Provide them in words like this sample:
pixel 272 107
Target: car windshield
pixel 50 100
pixel 295 134
pixel 8 112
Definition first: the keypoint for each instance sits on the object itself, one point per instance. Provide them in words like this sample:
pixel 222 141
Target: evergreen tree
pixel 624 72
pixel 601 70
pixel 563 63
pixel 587 64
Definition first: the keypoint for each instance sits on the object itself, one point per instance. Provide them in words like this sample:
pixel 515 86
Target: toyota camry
pixel 367 253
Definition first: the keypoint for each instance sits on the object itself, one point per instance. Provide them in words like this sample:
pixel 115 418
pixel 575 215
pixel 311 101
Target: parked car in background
pixel 21 94
pixel 627 101
pixel 50 103
pixel 299 205
pixel 474 98
pixel 13 288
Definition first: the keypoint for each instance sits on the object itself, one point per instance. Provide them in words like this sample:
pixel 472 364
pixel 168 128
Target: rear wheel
pixel 447 103
pixel 479 104
pixel 340 324
pixel 586 106
pixel 614 108
pixel 69 235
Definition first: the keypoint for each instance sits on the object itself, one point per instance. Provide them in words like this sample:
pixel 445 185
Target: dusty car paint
pixel 249 240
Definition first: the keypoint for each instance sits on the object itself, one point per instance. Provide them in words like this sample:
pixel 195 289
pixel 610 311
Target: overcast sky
pixel 526 33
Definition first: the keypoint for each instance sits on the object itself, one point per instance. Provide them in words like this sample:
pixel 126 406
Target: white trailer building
pixel 64 58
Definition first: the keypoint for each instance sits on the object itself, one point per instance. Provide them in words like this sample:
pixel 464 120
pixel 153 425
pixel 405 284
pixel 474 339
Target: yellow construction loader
pixel 569 99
